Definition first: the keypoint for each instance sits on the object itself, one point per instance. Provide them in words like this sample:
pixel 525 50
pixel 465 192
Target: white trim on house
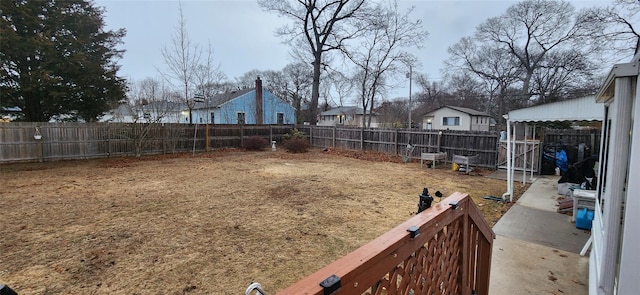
pixel 615 261
pixel 628 282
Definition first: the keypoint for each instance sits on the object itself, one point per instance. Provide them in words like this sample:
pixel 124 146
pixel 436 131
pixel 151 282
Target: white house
pixel 152 112
pixel 456 118
pixel 346 116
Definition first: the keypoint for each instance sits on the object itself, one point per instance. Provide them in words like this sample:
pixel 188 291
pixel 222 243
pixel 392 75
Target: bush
pixel 296 145
pixel 255 143
pixel 295 134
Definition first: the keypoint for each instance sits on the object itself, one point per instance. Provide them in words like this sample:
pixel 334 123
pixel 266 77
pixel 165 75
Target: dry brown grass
pixel 209 224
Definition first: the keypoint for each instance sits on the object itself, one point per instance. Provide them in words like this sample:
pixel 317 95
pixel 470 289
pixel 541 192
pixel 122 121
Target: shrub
pixel 255 143
pixel 296 145
pixel 295 134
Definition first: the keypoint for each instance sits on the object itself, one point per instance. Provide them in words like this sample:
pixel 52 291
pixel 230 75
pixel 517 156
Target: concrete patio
pixel 536 250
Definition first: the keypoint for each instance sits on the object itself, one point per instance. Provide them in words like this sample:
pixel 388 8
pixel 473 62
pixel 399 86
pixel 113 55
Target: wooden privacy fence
pixel 590 137
pixel 395 141
pixel 449 254
pixel 528 153
pixel 61 141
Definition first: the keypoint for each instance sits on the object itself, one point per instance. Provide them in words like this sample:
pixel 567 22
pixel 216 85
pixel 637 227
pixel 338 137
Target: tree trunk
pixel 525 85
pixel 315 90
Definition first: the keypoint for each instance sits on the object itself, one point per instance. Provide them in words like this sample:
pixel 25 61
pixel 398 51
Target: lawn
pixel 209 224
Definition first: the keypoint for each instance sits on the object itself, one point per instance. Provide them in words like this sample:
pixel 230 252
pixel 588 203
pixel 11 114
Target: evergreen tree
pixel 57 61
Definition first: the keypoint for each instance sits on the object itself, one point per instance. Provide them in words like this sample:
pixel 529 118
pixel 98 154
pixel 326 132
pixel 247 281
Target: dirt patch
pixel 209 224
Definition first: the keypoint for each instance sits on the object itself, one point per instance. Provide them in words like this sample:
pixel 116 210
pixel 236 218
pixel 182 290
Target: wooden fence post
pixel 108 139
pixel 163 131
pixel 206 136
pixel 40 149
pixel 395 141
pixel 333 138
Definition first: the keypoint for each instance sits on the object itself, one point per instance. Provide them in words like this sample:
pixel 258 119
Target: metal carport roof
pixel 579 109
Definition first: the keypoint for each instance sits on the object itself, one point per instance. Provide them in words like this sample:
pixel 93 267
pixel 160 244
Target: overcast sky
pixel 243 38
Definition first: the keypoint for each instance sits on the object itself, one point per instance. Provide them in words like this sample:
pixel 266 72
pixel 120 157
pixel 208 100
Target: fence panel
pixel 590 137
pixel 396 141
pixel 380 140
pixel 61 141
pixel 93 140
pixel 17 141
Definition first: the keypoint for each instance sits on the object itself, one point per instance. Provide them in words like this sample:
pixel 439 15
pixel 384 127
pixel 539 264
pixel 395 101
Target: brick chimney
pixel 258 101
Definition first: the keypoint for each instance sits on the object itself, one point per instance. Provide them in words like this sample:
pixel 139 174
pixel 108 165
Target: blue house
pixel 247 106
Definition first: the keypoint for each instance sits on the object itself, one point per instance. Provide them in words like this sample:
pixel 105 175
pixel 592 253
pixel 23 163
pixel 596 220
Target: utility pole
pixel 409 76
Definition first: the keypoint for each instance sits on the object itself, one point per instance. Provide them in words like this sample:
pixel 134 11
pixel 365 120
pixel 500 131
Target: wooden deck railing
pixel 449 254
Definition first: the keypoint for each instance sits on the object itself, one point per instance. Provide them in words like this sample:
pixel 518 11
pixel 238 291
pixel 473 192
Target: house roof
pixel 348 110
pixel 579 109
pixel 219 99
pixel 469 111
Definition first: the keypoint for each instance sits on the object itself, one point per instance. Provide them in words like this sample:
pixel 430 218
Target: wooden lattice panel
pixel 433 269
pixel 443 250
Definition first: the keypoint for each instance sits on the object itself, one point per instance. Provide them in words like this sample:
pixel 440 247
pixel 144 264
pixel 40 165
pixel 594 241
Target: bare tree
pixel 208 77
pixel 559 74
pixel 380 51
pixel 275 81
pixel 339 87
pixel 248 79
pixel 300 76
pixel 614 29
pixel 432 93
pixel 465 90
pixel 151 104
pixel 497 68
pixel 392 114
pixel 529 31
pixel 182 59
pixel 323 24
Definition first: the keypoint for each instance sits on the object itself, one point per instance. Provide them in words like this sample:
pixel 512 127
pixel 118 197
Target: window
pixel 280 118
pixel 212 117
pixel 341 119
pixel 200 120
pixel 241 118
pixel 450 121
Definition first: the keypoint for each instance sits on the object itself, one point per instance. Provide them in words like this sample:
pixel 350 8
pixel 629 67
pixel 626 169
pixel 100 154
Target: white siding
pixel 438 115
